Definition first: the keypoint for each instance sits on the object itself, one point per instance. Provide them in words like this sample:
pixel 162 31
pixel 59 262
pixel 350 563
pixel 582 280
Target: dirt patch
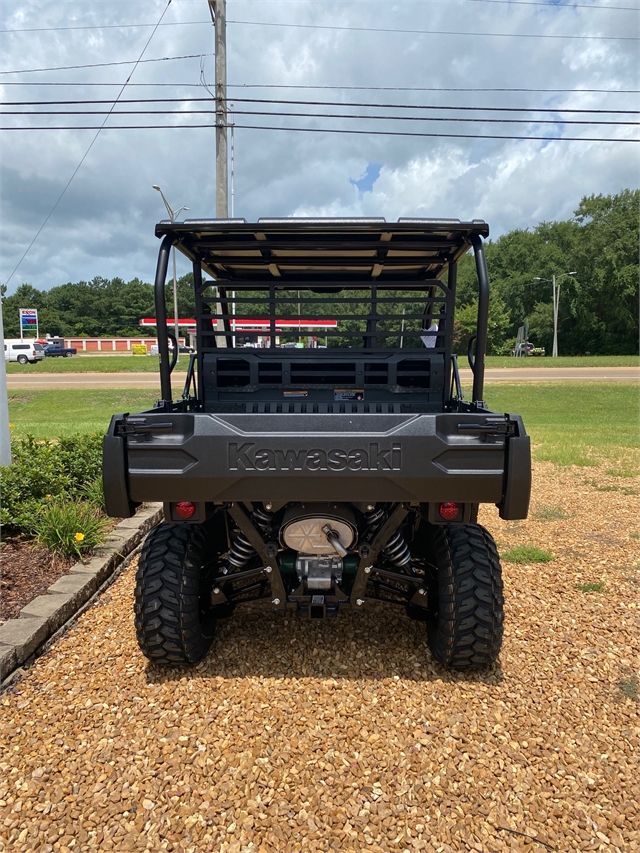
pixel 346 735
pixel 28 570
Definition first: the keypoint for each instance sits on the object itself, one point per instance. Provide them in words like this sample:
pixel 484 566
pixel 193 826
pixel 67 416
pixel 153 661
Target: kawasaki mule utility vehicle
pixel 321 454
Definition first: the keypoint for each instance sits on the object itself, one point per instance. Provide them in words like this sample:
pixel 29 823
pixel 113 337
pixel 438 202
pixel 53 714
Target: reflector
pixel 185 509
pixel 448 511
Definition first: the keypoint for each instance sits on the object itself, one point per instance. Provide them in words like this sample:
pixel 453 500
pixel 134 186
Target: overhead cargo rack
pixel 349 251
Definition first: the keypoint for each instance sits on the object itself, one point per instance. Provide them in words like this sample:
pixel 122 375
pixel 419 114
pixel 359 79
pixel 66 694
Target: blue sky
pixel 366 182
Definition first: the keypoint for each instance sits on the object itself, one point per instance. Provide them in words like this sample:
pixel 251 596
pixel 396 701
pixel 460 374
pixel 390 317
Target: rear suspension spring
pixel 374 519
pixel 262 519
pixel 242 551
pixel 397 551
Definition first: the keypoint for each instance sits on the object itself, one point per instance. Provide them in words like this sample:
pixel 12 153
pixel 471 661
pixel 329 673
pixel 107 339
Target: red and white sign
pixel 242 324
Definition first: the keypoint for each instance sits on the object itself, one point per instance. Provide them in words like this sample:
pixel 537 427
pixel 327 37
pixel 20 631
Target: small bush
pixel 527 554
pixel 42 470
pixel 70 527
pixel 94 493
pixel 598 586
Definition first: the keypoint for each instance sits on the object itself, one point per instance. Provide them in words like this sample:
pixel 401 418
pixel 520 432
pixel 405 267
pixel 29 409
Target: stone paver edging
pixel 21 638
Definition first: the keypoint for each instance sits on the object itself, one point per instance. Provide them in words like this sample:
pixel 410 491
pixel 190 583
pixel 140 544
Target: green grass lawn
pixel 561 361
pixel 49 414
pixel 576 423
pixel 570 424
pixel 149 363
pixel 96 364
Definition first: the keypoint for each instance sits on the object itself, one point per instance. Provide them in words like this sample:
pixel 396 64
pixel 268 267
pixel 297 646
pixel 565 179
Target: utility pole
pixel 556 305
pixel 218 10
pixel 5 435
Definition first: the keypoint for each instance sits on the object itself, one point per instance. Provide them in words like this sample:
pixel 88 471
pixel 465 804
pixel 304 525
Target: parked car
pixel 522 349
pixel 181 349
pixel 24 352
pixel 58 349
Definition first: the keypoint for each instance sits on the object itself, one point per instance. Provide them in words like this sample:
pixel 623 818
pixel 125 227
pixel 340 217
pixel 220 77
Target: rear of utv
pixel 321 454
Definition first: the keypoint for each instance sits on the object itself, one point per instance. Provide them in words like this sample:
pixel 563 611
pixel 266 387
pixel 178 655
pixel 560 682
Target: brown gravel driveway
pixel 345 735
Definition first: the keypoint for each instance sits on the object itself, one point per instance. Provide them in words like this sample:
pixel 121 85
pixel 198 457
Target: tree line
pixel 598 310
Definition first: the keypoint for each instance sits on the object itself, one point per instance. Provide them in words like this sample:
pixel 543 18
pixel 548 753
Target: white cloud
pixel 104 224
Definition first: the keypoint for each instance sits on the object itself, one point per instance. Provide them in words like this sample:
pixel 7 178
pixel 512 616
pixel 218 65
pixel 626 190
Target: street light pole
pixel 172 215
pixel 556 306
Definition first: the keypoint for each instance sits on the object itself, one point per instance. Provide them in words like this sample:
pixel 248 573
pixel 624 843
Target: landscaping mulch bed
pixel 26 571
pixel 346 735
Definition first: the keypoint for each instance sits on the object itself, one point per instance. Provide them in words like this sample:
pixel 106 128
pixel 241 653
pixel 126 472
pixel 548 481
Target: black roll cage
pixel 341 253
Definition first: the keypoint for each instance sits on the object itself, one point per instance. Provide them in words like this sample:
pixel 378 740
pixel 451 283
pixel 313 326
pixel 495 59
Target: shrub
pixel 42 470
pixel 70 527
pixel 94 493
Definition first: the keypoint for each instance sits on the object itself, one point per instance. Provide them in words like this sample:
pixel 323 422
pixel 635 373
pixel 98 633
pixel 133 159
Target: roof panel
pixel 347 250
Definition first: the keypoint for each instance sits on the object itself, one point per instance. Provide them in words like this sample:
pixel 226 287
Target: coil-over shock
pixel 396 551
pixel 242 551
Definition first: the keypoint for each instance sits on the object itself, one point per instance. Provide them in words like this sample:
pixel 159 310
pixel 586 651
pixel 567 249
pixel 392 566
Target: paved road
pixel 151 380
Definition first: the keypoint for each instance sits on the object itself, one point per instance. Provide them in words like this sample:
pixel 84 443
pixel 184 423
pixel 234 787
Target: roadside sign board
pixel 28 322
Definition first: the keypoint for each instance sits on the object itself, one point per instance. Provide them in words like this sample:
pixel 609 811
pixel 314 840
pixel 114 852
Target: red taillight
pixel 448 511
pixel 185 509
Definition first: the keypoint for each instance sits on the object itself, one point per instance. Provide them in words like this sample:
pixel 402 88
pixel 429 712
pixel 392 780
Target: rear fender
pixel 517 474
pixel 114 473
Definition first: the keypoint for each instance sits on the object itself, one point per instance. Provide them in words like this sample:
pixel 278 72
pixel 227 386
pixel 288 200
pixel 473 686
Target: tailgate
pixel 472 458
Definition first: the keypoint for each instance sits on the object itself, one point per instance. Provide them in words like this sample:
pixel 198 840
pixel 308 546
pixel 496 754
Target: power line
pixel 556 6
pixel 474 108
pixel 350 29
pixel 188 23
pixel 342 104
pixel 405 88
pixel 321 115
pixel 428 32
pixel 104 64
pixel 337 130
pixel 86 153
pixel 339 88
pixel 547 5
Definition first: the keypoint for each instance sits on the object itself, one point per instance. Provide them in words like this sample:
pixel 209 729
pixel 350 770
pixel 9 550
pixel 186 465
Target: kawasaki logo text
pixel 249 457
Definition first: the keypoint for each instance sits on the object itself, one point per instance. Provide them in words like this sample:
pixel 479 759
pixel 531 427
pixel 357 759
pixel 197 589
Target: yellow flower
pixel 47 497
pixel 79 537
pixel 10 426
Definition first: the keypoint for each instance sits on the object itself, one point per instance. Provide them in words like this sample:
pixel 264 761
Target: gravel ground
pixel 345 735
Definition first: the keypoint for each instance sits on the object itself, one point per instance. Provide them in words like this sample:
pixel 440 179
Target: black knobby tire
pixel 465 598
pixel 173 617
